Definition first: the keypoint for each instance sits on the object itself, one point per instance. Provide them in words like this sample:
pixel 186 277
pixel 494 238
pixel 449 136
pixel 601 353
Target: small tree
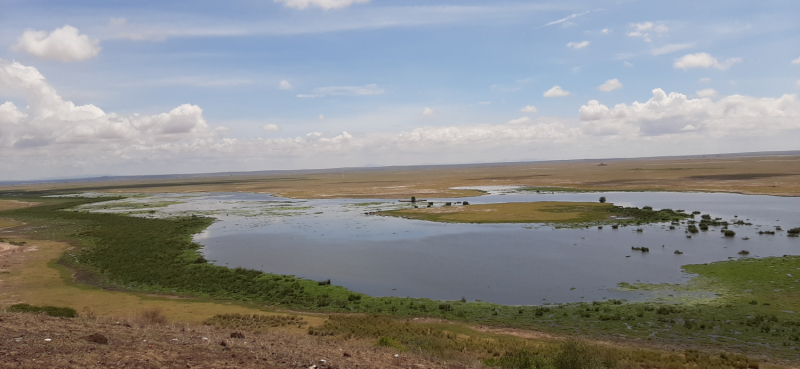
pixel 602 199
pixel 413 199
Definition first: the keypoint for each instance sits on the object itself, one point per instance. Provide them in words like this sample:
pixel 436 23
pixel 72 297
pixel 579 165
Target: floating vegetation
pixel 744 252
pixel 766 232
pixel 642 249
pixel 678 252
pixel 794 232
pixel 729 233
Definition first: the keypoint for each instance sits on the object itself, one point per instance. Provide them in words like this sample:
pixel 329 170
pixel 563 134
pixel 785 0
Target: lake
pixel 515 264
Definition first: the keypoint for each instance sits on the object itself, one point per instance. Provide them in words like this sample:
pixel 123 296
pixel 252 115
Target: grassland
pixel 768 174
pixel 558 213
pixel 152 262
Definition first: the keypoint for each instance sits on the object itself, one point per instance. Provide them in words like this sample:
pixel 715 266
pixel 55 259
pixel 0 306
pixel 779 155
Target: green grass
pixel 64 312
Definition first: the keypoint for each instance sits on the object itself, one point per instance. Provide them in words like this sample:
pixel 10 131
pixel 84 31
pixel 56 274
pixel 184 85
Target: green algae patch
pixel 550 212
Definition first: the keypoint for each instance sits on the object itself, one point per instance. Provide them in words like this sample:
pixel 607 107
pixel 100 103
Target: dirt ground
pixel 768 174
pixel 38 341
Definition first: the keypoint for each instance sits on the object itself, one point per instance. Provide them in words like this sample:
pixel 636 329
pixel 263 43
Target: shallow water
pixel 502 263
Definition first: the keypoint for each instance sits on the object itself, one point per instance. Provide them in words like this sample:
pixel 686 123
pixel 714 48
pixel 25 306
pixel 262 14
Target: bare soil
pixel 39 341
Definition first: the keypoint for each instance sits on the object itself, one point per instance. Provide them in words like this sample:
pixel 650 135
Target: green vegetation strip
pixel 757 310
pixel 64 312
pixel 556 213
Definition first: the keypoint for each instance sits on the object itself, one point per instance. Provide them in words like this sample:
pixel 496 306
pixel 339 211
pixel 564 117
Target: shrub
pixel 602 199
pixel 575 354
pixel 153 316
pixel 64 312
pixel 729 233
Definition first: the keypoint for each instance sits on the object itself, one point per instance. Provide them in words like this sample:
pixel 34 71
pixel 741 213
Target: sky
pixel 90 88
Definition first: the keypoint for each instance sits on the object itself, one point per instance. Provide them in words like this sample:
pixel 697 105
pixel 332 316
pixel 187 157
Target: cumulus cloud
pixel 644 30
pixel 519 120
pixel 705 80
pixel 610 85
pixel 427 111
pixel 324 4
pixel 271 127
pixel 671 48
pixel 578 45
pixel 556 91
pixel 285 85
pixel 675 113
pixel 796 61
pixel 366 90
pixel 605 31
pixel 64 44
pixel 709 92
pixel 49 120
pixel 703 60
pixel 49 136
pixel 529 109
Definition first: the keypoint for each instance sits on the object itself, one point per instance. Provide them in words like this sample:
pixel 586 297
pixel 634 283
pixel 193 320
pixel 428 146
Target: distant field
pixel 770 175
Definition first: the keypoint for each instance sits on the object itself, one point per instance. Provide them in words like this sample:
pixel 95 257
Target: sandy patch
pixel 14 204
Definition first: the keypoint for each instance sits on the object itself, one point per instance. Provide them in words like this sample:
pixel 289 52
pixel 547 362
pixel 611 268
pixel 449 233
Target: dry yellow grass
pixel 521 212
pixel 771 175
pixel 31 276
pixel 14 204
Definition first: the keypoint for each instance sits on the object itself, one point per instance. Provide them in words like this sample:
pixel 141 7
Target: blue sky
pixel 149 88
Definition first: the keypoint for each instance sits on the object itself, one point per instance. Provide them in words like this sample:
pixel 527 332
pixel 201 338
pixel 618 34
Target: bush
pixel 729 233
pixel 602 199
pixel 153 316
pixel 64 312
pixel 575 354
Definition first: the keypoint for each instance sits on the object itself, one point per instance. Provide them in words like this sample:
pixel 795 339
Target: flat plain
pixel 777 174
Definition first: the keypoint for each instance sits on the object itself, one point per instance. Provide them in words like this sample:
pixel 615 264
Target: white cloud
pixel 271 127
pixel 47 136
pixel 308 96
pixel 48 120
pixel 324 4
pixel 798 83
pixel 116 22
pixel 627 64
pixel 366 90
pixel 519 120
pixel 556 91
pixel 610 85
pixel 703 60
pixel 427 111
pixel 645 28
pixel 485 103
pixel 705 80
pixel 671 48
pixel 796 61
pixel 605 31
pixel 529 109
pixel 285 85
pixel 578 45
pixel 64 44
pixel 562 20
pixel 321 117
pixel 709 92
pixel 675 113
